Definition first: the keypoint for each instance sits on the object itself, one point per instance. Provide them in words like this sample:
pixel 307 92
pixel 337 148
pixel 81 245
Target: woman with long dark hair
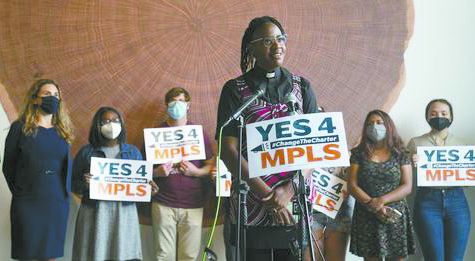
pixel 380 179
pixel 37 169
pixel 263 49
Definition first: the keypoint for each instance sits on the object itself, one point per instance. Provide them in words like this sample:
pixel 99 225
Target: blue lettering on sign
pixel 102 167
pixel 429 155
pixel 168 136
pixel 114 167
pixel 453 155
pixel 469 155
pixel 126 169
pixel 323 180
pixel 264 133
pixel 178 134
pixel 442 155
pixel 280 129
pixel 299 125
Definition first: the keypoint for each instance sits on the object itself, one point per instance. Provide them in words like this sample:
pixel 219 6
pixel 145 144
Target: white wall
pixel 5 196
pixel 440 63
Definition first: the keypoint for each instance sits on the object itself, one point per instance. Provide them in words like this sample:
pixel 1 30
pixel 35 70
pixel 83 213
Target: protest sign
pixel 296 142
pixel 327 192
pixel 223 180
pixel 174 144
pixel 120 180
pixel 446 166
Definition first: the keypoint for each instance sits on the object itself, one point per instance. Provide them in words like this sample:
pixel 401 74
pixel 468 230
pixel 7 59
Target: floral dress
pixel 369 236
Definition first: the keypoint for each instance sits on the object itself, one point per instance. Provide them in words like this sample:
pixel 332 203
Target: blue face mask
pixel 177 109
pixel 49 104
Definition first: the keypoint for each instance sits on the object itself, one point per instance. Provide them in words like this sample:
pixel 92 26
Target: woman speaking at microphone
pixel 441 214
pixel 263 50
pixel 105 230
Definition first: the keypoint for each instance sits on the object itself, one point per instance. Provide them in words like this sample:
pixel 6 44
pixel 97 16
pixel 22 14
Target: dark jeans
pixel 442 223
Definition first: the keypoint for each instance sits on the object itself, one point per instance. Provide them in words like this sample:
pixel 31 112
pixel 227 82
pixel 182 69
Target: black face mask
pixel 49 104
pixel 439 123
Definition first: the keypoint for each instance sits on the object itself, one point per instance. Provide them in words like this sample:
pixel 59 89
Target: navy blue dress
pixel 37 170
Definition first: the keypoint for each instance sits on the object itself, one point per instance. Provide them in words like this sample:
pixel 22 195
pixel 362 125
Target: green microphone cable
pixel 218 177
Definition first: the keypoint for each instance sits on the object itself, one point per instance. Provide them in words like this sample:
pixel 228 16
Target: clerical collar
pixel 260 73
pixel 270 75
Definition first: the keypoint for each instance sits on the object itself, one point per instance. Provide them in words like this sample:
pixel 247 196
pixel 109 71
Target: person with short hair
pixel 37 170
pixel 177 208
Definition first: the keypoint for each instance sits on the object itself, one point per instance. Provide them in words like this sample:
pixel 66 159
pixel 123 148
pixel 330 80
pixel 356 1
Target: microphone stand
pixel 304 193
pixel 301 194
pixel 243 188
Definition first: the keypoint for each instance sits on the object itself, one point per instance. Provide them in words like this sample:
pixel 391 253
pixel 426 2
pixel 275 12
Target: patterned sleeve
pixel 355 157
pixel 405 158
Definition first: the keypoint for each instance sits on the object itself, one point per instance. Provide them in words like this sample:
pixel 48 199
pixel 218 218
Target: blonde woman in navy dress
pixel 37 169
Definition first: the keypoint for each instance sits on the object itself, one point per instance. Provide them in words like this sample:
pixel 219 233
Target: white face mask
pixel 177 109
pixel 376 132
pixel 111 130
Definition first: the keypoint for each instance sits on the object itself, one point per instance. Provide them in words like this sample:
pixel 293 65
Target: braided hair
pixel 246 57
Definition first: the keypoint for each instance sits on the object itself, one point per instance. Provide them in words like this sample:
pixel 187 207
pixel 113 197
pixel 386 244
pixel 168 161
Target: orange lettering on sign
pixel 330 149
pixel 448 173
pixel 310 156
pixel 174 151
pixel 294 153
pixel 471 174
pixel 227 185
pixel 161 154
pixel 278 156
pixel 141 190
pixel 104 188
pixel 118 187
pixel 195 149
pixel 433 176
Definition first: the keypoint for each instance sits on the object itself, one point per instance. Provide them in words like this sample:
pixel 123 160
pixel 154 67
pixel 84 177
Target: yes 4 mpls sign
pixel 174 144
pixel 327 192
pixel 446 166
pixel 296 142
pixel 120 180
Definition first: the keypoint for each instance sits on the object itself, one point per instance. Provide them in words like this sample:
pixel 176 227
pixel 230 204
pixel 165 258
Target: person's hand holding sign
pixel 163 170
pixel 415 159
pixel 154 187
pixel 276 203
pixel 189 169
pixel 87 177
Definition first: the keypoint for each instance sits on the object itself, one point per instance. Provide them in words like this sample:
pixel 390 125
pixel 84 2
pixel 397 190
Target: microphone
pixel 291 100
pixel 236 115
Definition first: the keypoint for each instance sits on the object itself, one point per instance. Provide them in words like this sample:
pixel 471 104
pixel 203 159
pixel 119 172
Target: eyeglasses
pixel 104 122
pixel 271 40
